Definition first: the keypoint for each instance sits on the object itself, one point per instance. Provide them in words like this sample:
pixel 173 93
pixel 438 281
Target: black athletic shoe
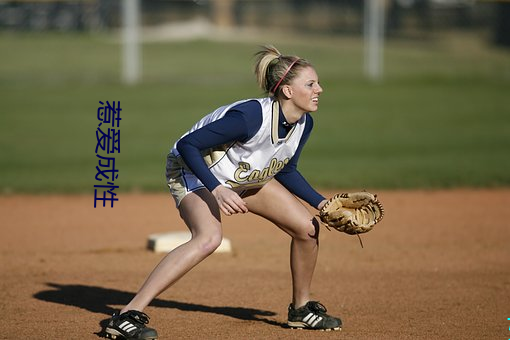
pixel 313 316
pixel 130 326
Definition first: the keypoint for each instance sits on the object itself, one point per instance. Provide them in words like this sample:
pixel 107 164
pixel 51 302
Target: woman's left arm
pixel 292 179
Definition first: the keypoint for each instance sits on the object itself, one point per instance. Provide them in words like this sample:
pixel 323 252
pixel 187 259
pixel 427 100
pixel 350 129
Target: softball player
pixel 243 158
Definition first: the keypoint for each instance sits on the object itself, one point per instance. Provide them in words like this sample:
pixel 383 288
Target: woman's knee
pixel 208 242
pixel 309 231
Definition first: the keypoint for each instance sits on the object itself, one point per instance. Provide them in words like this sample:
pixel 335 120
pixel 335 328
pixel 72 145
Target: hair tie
pixel 283 77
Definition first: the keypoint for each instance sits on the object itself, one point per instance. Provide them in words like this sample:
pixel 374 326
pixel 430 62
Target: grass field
pixel 439 118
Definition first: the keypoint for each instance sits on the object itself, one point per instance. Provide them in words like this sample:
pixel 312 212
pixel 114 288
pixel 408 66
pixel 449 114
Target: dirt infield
pixel 437 267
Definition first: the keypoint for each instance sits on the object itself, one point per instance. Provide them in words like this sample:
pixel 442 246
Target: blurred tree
pixel 502 24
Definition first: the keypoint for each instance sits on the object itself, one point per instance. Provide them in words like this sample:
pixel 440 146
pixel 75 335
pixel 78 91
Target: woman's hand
pixel 321 204
pixel 229 201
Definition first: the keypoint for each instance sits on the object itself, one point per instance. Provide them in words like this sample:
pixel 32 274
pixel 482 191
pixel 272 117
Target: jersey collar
pixel 277 116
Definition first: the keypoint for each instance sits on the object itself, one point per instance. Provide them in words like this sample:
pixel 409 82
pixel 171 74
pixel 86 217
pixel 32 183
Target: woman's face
pixel 305 90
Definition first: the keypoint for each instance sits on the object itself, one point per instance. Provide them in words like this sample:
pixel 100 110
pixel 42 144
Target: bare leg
pixel 200 212
pixel 278 205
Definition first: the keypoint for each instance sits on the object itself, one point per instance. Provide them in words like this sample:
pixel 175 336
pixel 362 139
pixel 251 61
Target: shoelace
pixel 139 316
pixel 316 306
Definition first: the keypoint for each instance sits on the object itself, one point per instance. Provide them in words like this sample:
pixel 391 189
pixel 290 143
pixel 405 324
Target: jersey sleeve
pixel 239 124
pixel 292 179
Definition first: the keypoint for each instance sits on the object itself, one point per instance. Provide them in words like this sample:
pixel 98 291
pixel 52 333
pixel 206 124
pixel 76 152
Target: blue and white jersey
pixel 250 163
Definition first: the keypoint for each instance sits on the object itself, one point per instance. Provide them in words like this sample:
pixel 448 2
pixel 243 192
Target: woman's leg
pixel 278 205
pixel 200 212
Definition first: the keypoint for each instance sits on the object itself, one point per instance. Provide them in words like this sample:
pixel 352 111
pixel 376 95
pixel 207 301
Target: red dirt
pixel 436 267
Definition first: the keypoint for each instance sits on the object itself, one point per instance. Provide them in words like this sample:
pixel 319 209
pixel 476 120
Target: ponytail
pixel 272 69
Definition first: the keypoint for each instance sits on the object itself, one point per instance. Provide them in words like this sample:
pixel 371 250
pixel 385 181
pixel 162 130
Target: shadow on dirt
pixel 99 300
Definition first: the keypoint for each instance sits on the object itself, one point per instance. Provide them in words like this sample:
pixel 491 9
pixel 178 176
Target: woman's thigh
pixel 275 203
pixel 201 213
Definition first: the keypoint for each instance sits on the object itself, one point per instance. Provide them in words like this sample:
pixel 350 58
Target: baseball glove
pixel 352 213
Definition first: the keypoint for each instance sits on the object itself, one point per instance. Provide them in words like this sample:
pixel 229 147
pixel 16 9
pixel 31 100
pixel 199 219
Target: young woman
pixel 243 158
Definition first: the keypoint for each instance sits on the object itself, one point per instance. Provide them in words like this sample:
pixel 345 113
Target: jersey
pixel 251 163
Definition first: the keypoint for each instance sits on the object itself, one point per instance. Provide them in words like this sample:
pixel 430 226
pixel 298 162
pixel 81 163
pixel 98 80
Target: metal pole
pixel 374 38
pixel 131 69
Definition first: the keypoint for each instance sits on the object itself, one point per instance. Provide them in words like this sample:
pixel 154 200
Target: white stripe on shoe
pixel 308 317
pixel 317 321
pixel 127 326
pixel 312 319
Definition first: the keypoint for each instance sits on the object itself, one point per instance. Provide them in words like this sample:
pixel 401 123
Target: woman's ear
pixel 287 91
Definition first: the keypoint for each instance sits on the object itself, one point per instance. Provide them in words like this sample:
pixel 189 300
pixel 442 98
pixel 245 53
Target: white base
pixel 166 242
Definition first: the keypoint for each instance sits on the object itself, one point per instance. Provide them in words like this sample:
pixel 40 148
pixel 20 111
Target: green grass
pixel 439 118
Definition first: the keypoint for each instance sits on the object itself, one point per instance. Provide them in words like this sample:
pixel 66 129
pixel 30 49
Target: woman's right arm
pixel 239 124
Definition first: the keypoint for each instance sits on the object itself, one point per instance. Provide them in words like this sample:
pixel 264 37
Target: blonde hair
pixel 273 69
